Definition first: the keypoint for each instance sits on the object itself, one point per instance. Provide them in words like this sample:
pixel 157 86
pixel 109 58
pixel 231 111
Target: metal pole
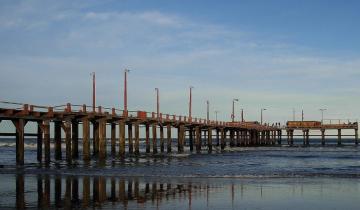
pixel 157 103
pixel 302 115
pixel 125 90
pixel 322 115
pixel 93 92
pixel 261 121
pixel 293 114
pixel 190 101
pixel 242 115
pixel 207 110
pixel 233 109
pixel 216 112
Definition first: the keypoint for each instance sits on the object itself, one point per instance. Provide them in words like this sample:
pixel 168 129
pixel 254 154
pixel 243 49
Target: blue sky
pixel 278 55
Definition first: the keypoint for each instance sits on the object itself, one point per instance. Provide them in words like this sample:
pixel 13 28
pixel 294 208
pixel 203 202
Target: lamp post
pixel 216 112
pixel 207 110
pixel 233 109
pixel 93 91
pixel 190 101
pixel 322 115
pixel 261 120
pixel 157 103
pixel 242 115
pixel 126 71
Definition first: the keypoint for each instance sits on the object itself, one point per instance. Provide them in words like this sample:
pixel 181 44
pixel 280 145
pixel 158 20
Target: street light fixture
pixel 126 71
pixel 233 109
pixel 322 115
pixel 190 101
pixel 216 112
pixel 262 115
pixel 157 103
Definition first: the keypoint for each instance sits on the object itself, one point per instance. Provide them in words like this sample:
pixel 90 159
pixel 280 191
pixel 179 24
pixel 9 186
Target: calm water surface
pixel 240 178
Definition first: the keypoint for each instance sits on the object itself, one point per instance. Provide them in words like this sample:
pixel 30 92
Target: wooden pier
pixel 67 118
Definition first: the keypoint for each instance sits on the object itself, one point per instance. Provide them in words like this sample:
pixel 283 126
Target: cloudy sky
pixel 276 54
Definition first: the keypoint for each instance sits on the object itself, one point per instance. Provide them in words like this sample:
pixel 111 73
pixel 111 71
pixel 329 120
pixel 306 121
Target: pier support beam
pixel 232 140
pixel 46 131
pixel 168 130
pixel 86 139
pixel 198 138
pixel 121 138
pixel 147 138
pixel 279 137
pixel 113 139
pixel 95 138
pixel 57 137
pixel 217 137
pixel 39 141
pixel 154 139
pixel 102 139
pixel 20 192
pixel 323 137
pixel 19 125
pixel 162 139
pixel 356 137
pixel 291 137
pixel 209 139
pixel 339 137
pixel 130 139
pixel 191 139
pixel 137 138
pixel 75 139
pixel 67 129
pixel 181 138
pixel 223 137
pixel 238 138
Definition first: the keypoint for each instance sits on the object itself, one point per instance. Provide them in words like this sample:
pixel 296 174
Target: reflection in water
pixel 58 191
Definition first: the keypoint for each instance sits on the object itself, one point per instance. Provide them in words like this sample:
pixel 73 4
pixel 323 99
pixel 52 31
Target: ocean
pixel 273 177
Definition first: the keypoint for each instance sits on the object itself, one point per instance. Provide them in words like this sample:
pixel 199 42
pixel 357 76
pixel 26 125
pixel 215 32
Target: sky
pixel 279 55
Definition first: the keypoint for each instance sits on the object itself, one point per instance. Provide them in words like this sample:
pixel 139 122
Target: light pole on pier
pixel 157 103
pixel 233 109
pixel 126 71
pixel 93 91
pixel 190 101
pixel 261 120
pixel 207 110
pixel 242 115
pixel 322 115
pixel 216 113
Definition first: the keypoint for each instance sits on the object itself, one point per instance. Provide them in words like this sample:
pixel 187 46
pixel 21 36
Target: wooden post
pixel 95 138
pixel 67 130
pixel 137 138
pixel 57 136
pixel 181 138
pixel 307 137
pixel 161 138
pixel 223 137
pixel 288 136
pixel 19 125
pixel 232 143
pixel 198 139
pixel 130 139
pixel 86 140
pixel 46 131
pixel 113 139
pixel 122 138
pixel 75 139
pixel 304 137
pixel 356 137
pixel 279 137
pixel 168 130
pixel 238 138
pixel 102 139
pixel 40 192
pixel 209 140
pixel 147 138
pixel 67 196
pixel 39 141
pixel 154 140
pixel 339 137
pixel 291 137
pixel 217 137
pixel 75 190
pixel 191 139
pixel 322 136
